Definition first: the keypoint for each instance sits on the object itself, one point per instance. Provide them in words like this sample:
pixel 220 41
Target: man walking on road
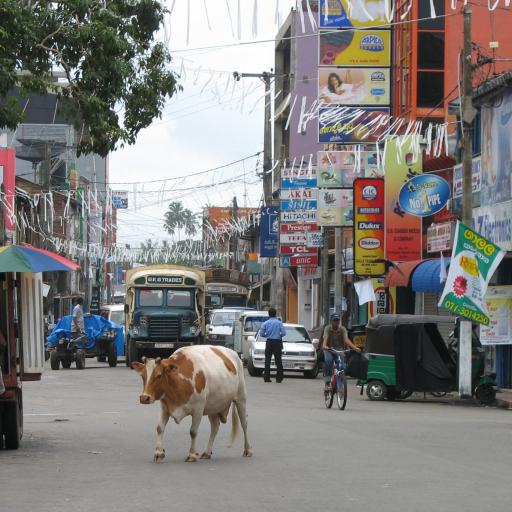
pixel 273 331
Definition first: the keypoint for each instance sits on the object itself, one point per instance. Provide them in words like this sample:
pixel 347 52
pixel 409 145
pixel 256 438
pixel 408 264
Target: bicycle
pixel 338 382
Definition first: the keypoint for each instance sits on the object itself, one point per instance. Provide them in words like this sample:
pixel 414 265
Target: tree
pixel 177 218
pixel 107 51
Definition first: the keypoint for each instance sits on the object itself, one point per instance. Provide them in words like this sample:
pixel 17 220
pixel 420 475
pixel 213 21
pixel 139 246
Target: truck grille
pixel 164 327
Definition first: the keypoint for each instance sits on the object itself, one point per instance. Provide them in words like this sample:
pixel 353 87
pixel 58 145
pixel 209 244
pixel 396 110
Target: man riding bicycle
pixel 335 338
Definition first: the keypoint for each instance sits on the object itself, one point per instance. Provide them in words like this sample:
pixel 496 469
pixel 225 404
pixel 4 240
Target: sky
pixel 213 121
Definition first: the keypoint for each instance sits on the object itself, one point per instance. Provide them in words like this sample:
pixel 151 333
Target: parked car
pixel 299 353
pixel 220 328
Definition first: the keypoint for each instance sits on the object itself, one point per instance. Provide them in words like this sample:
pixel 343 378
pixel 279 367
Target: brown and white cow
pixel 196 381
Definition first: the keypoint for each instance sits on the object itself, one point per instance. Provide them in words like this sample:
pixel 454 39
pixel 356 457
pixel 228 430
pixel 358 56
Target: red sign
pixel 297 249
pixel 294 228
pixel 299 261
pixel 369 227
pixel 8 173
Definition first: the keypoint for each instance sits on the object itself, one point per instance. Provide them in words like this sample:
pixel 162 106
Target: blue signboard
pixel 424 195
pixel 269 232
pixel 295 183
pixel 298 204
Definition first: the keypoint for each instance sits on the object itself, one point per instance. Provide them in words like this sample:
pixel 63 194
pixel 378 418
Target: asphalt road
pixel 88 446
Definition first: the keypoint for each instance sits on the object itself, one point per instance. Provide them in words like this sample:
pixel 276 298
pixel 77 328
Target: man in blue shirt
pixel 273 331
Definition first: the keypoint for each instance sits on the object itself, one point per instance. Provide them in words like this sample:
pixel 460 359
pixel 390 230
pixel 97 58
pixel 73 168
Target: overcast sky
pixel 205 126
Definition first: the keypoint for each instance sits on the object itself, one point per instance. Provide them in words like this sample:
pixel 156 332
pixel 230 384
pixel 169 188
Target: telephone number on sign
pixel 465 312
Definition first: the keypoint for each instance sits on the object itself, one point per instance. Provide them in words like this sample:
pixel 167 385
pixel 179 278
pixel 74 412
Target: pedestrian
pixel 273 330
pixel 335 337
pixel 77 319
pixel 3 353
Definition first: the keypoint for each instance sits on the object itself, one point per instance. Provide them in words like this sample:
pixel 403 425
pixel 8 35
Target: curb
pixel 503 404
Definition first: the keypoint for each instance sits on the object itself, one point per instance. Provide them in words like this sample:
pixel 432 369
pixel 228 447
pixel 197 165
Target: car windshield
pixel 253 323
pixel 294 335
pixel 223 318
pixel 117 317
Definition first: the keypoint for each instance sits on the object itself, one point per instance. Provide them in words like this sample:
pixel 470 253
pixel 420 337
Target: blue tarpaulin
pixel 425 277
pixel 94 327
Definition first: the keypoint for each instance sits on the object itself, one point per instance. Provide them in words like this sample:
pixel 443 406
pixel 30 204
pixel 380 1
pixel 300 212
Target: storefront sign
pixel 293 238
pixel 495 223
pixel 269 231
pixel 498 301
pixel 476 171
pixel 299 173
pixel 299 216
pixel 369 227
pixel 474 261
pixel 403 231
pixel 299 194
pixel 298 228
pixel 297 249
pixel 440 237
pixel 298 204
pixel 354 86
pixel 295 183
pixel 424 195
pixel 342 125
pixel 355 48
pixel 299 261
pixel 310 273
pixel 335 207
pixel 363 13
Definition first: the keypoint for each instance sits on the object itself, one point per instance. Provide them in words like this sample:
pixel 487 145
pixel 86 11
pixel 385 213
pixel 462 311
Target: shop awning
pixel 400 273
pixel 425 277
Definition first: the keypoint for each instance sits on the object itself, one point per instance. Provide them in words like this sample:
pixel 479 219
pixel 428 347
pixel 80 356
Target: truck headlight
pixel 136 330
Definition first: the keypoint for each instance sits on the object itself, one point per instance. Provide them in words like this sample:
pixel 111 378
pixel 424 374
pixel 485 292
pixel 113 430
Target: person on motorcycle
pixel 335 337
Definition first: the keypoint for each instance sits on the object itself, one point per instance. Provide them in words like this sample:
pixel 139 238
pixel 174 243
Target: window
pixel 222 318
pixel 179 298
pixel 117 317
pixel 431 50
pixel 150 297
pixel 424 12
pixel 430 89
pixel 253 323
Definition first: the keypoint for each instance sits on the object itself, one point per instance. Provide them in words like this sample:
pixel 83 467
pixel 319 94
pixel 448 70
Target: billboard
pixel 335 207
pixel 269 231
pixel 370 48
pixel 120 199
pixel 403 231
pixel 354 86
pixel 495 223
pixel 363 13
pixel 369 227
pixel 219 217
pixel 352 125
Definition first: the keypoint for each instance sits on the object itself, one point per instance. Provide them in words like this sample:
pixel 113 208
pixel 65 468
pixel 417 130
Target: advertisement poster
pixel 498 301
pixel 220 217
pixel 354 125
pixel 476 171
pixel 335 207
pixel 363 13
pixel 424 195
pixel 120 199
pixel 474 261
pixel 495 223
pixel 370 48
pixel 269 231
pixel 386 299
pixel 354 86
pixel 497 152
pixel 403 231
pixel 369 227
pixel 339 169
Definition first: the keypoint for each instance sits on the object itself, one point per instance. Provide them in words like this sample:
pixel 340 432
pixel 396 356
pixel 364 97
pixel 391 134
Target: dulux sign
pixel 424 195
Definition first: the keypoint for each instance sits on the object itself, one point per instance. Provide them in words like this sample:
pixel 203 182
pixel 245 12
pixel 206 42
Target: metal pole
pixel 338 257
pixel 267 144
pixel 325 277
pixel 467 196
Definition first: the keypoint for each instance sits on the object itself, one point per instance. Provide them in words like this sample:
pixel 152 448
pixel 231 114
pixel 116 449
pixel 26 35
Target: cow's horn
pixel 144 359
pixel 158 360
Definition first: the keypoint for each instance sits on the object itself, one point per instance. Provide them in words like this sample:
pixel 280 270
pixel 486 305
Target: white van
pixel 221 326
pixel 247 325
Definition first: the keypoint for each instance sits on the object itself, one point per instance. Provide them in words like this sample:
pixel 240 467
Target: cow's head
pixel 154 375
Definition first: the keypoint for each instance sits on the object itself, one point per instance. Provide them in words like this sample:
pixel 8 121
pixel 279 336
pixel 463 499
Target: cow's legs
pixel 160 428
pixel 215 423
pixel 242 413
pixel 192 454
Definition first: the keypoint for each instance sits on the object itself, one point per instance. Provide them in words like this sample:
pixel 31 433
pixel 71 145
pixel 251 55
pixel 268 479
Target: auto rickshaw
pixel 407 353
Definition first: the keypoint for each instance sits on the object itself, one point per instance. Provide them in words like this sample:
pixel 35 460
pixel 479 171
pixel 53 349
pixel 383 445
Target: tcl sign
pixel 296 249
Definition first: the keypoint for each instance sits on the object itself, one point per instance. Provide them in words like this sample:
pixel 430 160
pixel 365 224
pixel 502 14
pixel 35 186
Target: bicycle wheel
pixel 341 392
pixel 329 397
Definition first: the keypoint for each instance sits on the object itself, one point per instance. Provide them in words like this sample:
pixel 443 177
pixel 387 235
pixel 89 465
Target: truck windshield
pixel 222 318
pixel 150 297
pixel 179 298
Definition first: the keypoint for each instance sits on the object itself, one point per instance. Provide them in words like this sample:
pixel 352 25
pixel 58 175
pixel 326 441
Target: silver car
pixel 299 353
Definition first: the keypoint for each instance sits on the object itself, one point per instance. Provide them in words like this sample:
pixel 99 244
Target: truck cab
pixel 164 310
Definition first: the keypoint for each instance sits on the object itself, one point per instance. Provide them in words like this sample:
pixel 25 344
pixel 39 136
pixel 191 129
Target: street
pixel 88 445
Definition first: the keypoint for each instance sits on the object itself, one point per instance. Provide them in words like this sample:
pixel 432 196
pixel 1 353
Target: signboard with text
pixel 269 231
pixel 363 13
pixel 299 261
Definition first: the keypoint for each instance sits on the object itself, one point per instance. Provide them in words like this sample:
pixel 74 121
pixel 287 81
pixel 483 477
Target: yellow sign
pixel 355 48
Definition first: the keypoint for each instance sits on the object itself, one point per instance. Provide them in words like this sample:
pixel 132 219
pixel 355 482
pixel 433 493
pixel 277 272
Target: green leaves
pixel 177 218
pixel 109 54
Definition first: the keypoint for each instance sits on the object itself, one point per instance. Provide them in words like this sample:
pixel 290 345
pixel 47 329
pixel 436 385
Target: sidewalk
pixel 504 399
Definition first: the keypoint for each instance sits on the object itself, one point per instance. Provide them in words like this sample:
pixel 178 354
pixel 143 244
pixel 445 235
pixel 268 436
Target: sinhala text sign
pixel 474 261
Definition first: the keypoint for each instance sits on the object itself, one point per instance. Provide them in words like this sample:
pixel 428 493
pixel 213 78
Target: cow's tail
pixel 235 423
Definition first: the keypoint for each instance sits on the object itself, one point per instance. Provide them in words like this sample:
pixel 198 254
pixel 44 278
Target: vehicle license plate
pixel 164 345
pixel 287 364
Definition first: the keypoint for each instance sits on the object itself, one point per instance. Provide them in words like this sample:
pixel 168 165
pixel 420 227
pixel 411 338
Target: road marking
pixel 65 414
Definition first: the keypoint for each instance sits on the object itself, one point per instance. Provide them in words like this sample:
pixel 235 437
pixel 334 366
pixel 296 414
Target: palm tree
pixel 177 218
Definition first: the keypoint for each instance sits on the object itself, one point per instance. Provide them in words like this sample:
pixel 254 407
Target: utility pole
pixel 325 276
pixel 338 258
pixel 233 240
pixel 468 114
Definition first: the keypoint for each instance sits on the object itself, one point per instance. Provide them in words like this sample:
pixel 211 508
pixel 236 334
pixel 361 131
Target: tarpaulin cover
pixel 94 326
pixel 423 362
pixel 425 277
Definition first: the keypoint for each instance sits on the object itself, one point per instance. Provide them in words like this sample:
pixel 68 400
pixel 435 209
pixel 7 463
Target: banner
pixel 342 125
pixel 370 48
pixel 403 161
pixel 386 299
pixel 474 261
pixel 498 301
pixel 363 13
pixel 269 231
pixel 8 182
pixel 354 86
pixel 335 207
pixel 369 227
pixel 120 199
